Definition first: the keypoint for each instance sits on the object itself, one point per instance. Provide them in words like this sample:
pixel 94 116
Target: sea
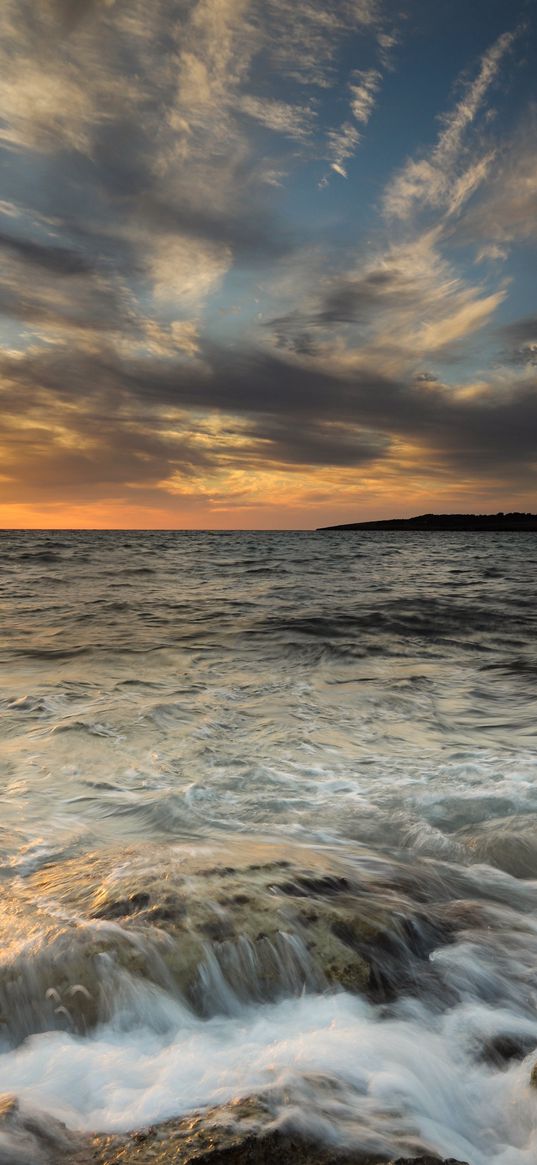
pixel 269 829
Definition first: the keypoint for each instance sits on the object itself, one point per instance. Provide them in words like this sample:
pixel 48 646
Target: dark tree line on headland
pixel 515 520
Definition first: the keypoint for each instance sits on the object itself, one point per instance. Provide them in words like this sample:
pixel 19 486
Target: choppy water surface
pixel 362 703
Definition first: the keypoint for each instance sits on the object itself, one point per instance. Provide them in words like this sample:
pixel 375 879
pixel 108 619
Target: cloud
pixel 507 210
pixel 520 338
pixel 185 271
pixel 142 111
pixel 176 329
pixel 396 309
pixel 55 89
pixel 295 121
pixel 342 144
pixel 57 260
pixel 446 178
pixel 491 252
pixel 363 89
pixel 309 33
pixel 57 287
pixel 271 410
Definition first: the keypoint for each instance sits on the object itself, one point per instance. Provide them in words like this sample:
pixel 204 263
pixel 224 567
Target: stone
pixel 32 1138
pixel 233 1134
pixel 508 843
pixel 230 1135
pixel 197 927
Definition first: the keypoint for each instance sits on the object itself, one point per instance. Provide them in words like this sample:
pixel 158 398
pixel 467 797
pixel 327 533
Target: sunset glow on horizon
pixel 265 265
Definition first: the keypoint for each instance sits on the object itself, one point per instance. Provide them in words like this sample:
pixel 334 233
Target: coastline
pixel 438 523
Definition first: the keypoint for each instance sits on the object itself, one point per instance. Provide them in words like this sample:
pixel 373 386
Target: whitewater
pixel 269 829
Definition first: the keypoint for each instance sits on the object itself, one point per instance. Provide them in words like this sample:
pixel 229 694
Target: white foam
pixel 398 1078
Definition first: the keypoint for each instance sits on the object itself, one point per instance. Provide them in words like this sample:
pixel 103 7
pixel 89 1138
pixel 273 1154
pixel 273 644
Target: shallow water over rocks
pixel 268 830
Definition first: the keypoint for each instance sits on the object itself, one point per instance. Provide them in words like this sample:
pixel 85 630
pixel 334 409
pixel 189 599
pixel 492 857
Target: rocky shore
pixel 210 932
pixel 220 929
pixel 231 1135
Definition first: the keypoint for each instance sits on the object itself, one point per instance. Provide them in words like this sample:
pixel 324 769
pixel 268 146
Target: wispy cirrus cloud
pixel 506 213
pixel 308 34
pixel 396 310
pixel 363 91
pixel 447 176
pixel 172 290
pixel 342 143
pixel 294 121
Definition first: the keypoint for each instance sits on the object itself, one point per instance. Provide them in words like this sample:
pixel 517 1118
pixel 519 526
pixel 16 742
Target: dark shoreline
pixel 448 522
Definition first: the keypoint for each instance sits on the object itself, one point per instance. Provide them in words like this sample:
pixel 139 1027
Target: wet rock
pixel 236 1134
pixel 427 1161
pixel 274 1148
pixel 397 953
pixel 171 923
pixel 309 885
pixel 508 843
pixel 239 1133
pixel 212 933
pixel 171 907
pixel 501 1049
pixel 32 1138
pixel 124 907
pixel 69 977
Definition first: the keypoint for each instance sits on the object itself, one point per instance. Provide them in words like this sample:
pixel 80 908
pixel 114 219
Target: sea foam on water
pixel 369 698
pixel 331 1065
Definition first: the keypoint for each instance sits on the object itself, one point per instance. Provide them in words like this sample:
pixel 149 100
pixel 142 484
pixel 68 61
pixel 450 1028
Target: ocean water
pixel 201 730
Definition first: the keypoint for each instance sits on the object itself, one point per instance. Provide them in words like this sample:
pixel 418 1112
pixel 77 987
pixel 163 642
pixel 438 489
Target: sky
pixel 266 263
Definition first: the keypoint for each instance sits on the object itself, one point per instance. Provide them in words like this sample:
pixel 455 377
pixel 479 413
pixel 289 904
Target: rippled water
pixel 366 701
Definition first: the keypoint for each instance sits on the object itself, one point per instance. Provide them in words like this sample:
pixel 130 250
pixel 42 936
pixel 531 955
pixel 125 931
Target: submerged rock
pixel 32 1138
pixel 428 1160
pixel 207 933
pixel 214 927
pixel 212 934
pixel 230 1135
pixel 508 843
pixel 504 1047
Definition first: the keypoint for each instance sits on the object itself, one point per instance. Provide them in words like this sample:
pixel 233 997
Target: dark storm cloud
pixel 251 230
pixel 71 13
pixel 301 415
pixel 303 441
pixel 52 17
pixel 520 338
pixel 154 143
pixel 345 300
pixel 355 300
pixel 372 300
pixel 62 289
pixel 97 310
pixel 243 383
pixel 57 260
pixel 491 433
pixel 109 446
pixel 109 460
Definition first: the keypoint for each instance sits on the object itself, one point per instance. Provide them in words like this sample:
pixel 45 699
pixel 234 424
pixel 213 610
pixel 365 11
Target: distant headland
pixel 494 522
